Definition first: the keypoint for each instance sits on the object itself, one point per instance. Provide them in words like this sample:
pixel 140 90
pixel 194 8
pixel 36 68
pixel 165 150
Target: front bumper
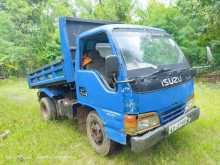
pixel 139 143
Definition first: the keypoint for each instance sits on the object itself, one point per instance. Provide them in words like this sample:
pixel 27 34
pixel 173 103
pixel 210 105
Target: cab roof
pixel 111 27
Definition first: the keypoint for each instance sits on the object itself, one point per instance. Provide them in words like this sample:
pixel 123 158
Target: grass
pixel 33 141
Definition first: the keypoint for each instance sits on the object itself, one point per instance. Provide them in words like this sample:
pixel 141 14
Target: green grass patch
pixel 33 141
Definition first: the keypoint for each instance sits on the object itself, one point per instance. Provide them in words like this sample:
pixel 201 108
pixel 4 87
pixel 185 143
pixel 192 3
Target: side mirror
pixel 111 66
pixel 209 55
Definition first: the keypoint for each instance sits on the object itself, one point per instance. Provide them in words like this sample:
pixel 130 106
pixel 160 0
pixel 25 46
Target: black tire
pixel 82 113
pixel 98 138
pixel 48 108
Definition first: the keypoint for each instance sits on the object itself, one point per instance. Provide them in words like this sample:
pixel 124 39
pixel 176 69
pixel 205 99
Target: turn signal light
pixel 130 122
pixel 136 124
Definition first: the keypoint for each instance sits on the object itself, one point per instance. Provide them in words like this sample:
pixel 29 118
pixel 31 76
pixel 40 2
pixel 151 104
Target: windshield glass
pixel 143 49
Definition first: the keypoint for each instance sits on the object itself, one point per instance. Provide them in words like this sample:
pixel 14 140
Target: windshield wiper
pixel 162 70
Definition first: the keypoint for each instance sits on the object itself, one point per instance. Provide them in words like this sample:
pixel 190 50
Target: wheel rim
pixel 96 133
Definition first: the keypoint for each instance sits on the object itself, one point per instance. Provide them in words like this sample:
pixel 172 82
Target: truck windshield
pixel 143 49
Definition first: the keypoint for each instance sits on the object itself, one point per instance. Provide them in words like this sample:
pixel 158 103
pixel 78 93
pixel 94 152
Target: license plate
pixel 178 125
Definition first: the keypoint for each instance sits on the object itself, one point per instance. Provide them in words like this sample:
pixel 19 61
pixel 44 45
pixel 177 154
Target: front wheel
pixel 97 136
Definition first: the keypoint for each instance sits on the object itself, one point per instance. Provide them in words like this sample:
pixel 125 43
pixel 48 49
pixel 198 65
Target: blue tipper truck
pixel 124 84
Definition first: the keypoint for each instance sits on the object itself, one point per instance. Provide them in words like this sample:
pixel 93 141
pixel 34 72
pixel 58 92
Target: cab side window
pixel 95 51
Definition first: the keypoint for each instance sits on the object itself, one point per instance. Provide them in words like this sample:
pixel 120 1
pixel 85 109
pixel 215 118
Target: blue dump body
pixel 46 75
pixel 137 106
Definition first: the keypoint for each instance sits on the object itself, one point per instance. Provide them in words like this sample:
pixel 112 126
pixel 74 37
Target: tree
pixel 107 9
pixel 29 33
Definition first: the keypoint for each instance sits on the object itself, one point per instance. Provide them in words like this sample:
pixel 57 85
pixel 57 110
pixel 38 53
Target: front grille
pixel 171 114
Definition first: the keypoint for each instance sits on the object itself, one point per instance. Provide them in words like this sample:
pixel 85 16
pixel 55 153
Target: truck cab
pixel 126 84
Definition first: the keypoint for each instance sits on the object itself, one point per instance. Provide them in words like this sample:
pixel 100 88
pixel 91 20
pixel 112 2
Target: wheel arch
pixel 92 108
pixel 47 92
pixel 113 133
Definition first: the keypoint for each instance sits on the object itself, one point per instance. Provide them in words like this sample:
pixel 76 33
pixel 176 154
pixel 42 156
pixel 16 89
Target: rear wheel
pixel 97 136
pixel 48 108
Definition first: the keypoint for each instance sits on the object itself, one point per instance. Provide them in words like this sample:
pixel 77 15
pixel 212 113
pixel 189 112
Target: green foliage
pixel 29 35
pixel 107 9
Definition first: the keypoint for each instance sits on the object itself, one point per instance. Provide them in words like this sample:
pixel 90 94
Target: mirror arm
pixel 124 81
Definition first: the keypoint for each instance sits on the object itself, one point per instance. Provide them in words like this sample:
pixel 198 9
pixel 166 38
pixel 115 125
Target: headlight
pixel 135 124
pixel 190 103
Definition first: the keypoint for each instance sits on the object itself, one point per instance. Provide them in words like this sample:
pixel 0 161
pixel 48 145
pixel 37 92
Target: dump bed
pixel 47 75
pixel 62 72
